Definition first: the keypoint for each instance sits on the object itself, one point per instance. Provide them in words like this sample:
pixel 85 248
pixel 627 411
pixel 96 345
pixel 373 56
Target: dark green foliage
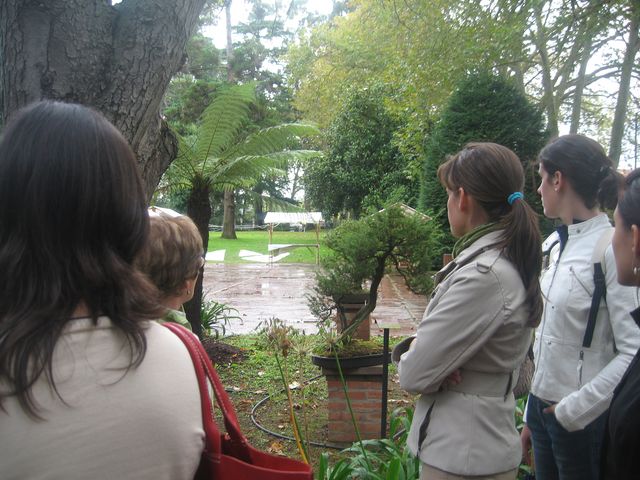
pixel 385 458
pixel 362 250
pixel 483 108
pixel 186 100
pixel 357 246
pixel 203 58
pixel 215 317
pixel 362 167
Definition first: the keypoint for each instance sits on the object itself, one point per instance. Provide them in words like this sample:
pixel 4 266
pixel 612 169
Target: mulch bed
pixel 223 353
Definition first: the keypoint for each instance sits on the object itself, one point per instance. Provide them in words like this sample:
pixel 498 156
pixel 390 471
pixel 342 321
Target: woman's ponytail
pixel 609 189
pixel 521 243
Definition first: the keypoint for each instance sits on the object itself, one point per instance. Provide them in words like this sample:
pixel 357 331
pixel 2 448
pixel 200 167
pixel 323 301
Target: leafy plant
pixel 221 157
pixel 484 108
pixel 361 251
pixel 284 340
pixel 362 166
pixel 215 316
pixel 377 459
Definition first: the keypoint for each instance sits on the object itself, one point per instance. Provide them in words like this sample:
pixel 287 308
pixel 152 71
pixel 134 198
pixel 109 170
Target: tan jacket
pixel 476 322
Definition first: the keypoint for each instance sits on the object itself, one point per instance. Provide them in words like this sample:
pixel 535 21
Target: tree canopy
pixel 483 108
pixel 362 166
pixel 564 54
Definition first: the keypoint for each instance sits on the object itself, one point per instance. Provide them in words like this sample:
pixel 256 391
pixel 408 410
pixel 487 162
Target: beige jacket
pixel 475 322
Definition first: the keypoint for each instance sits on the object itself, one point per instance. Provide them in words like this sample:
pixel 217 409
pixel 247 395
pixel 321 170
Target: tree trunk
pixel 257 207
pixel 199 209
pixel 227 12
pixel 617 129
pixel 296 181
pixel 576 107
pixel 118 59
pixel 548 99
pixel 229 216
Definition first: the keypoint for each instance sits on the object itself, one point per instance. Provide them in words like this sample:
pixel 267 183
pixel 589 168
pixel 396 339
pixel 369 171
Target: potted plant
pixel 346 290
pixel 362 251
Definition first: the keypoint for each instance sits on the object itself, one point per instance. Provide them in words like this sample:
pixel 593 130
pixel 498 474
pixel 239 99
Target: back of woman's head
pixel 585 165
pixel 173 253
pixel 629 203
pixel 491 174
pixel 72 219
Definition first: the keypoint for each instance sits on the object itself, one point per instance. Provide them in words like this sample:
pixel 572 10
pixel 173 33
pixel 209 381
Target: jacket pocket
pixel 422 432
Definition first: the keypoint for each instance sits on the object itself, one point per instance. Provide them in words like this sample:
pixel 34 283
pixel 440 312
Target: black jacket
pixel 622 436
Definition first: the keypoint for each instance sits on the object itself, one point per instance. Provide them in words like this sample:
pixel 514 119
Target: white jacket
pixel 582 388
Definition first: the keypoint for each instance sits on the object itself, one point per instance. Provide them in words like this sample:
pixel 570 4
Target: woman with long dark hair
pixel 478 326
pixel 90 387
pixel 578 362
pixel 622 431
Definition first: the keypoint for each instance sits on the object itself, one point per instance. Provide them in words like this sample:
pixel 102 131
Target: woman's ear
pixel 463 200
pixel 557 180
pixel 188 288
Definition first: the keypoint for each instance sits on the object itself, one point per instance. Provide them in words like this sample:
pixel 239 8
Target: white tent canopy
pixel 293 217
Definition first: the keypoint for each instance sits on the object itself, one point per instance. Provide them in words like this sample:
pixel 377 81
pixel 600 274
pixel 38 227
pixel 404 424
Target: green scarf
pixel 470 237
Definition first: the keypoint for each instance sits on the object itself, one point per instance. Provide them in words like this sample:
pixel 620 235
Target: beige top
pixel 476 322
pixel 145 423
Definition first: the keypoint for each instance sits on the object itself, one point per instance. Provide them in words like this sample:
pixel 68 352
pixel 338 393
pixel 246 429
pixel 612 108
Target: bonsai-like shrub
pixel 361 251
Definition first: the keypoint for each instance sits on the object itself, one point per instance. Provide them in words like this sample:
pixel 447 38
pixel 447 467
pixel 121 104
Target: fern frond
pixel 273 204
pixel 222 121
pixel 287 136
pixel 252 165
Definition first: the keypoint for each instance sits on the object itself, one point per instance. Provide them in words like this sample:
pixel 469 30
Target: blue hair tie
pixel 513 197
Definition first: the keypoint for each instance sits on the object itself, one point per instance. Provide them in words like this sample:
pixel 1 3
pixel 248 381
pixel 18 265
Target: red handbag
pixel 229 455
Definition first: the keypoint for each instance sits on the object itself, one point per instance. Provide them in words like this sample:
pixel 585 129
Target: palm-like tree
pixel 222 158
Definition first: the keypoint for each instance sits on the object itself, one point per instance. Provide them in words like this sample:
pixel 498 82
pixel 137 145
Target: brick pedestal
pixel 364 386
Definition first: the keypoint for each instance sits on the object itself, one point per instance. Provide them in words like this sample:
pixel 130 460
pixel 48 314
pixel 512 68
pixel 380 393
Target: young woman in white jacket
pixel 573 383
pixel 478 326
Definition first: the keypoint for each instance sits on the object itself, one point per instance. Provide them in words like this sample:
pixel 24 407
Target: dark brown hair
pixel 72 219
pixel 490 173
pixel 173 253
pixel 586 167
pixel 629 203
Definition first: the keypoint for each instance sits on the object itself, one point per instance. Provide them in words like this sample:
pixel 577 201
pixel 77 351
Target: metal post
pixel 385 383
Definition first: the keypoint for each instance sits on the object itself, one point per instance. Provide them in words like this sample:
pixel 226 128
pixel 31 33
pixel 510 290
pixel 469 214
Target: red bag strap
pixel 205 371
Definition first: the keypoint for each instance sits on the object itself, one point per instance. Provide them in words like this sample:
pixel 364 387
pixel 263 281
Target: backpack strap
pixel 547 247
pixel 600 284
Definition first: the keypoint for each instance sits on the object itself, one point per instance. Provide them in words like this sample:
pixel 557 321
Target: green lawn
pixel 257 241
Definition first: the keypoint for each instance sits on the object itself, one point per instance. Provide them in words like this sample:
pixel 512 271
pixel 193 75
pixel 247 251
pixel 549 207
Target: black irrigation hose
pixel 286 437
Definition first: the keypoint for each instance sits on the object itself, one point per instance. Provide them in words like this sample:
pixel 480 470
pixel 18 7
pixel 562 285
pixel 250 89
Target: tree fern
pixel 222 121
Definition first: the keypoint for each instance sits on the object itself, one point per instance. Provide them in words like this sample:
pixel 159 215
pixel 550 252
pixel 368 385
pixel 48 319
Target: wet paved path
pixel 260 291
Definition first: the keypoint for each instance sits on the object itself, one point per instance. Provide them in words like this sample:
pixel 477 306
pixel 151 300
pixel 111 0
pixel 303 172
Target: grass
pixel 250 381
pixel 257 241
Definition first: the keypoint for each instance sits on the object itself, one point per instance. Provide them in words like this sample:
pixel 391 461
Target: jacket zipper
pixel 580 362
pixel 544 319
